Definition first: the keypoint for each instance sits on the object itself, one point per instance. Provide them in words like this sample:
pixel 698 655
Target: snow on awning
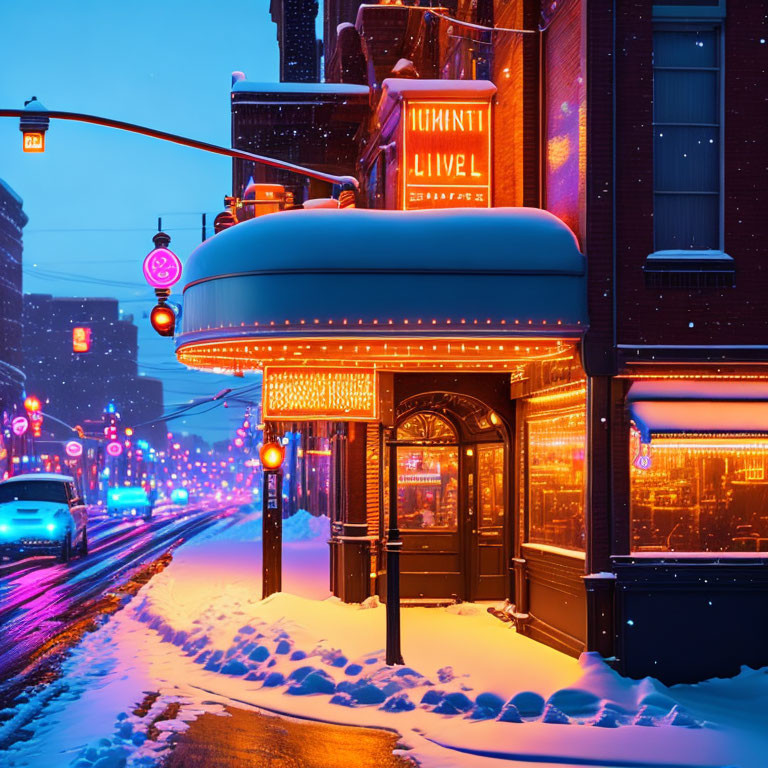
pixel 698 407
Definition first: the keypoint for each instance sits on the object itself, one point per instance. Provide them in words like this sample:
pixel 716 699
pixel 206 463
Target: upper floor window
pixel 687 144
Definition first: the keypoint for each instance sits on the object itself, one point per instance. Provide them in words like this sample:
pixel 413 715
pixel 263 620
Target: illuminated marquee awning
pixel 699 407
pixel 391 290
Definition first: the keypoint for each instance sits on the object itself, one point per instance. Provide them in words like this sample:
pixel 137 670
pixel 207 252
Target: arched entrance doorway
pixel 452 498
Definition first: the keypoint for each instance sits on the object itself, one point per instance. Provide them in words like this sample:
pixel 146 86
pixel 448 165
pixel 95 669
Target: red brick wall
pixel 720 316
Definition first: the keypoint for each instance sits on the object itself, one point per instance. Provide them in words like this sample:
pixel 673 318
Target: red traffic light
pixel 32 404
pixel 163 319
pixel 272 455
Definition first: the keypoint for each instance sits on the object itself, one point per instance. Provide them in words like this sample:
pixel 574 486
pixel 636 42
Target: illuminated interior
pixel 556 491
pixel 427 474
pixel 490 474
pixel 700 493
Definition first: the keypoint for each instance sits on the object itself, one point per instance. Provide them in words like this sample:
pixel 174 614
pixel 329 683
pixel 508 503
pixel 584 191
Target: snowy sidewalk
pixel 473 691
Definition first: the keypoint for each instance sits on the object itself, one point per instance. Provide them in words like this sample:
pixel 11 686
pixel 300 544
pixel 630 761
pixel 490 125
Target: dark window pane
pixel 686 159
pixel 673 48
pixel 685 222
pixel 685 97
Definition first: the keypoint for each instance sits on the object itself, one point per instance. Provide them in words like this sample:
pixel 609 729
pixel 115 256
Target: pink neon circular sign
pixel 162 268
pixel 114 449
pixel 74 449
pixel 19 426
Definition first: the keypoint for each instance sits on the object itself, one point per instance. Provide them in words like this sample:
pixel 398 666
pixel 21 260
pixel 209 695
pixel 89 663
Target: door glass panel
pixel 427 487
pixel 490 470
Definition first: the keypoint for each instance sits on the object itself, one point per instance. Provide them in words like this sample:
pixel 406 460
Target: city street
pixel 384 384
pixel 42 602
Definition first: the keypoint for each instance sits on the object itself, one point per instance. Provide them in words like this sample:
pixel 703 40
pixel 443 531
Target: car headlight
pixel 4 527
pixel 51 527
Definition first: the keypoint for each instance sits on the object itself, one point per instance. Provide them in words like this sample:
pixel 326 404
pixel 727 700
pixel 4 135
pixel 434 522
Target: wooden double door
pixel 452 516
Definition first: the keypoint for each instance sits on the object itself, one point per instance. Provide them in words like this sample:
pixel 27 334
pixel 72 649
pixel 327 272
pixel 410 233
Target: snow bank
pixel 473 692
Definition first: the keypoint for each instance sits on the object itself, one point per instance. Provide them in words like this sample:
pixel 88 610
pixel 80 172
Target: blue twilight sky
pixel 94 197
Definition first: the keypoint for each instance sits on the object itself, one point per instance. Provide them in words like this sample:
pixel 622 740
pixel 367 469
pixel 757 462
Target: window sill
pixel 574 553
pixel 689 269
pixel 692 556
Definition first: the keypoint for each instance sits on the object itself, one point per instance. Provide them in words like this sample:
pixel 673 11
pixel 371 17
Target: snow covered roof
pixel 407 88
pixel 457 272
pixel 477 240
pixel 342 89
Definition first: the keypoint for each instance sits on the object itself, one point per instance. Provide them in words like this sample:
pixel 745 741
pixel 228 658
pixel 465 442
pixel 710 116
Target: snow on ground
pixel 473 692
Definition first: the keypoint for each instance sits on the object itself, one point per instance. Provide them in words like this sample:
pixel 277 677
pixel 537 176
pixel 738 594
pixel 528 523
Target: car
pixel 42 513
pixel 129 501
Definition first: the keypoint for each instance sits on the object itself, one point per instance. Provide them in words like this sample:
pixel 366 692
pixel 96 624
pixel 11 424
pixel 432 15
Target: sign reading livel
pixel 320 394
pixel 447 154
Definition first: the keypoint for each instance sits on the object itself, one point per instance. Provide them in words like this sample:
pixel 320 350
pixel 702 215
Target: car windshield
pixel 33 490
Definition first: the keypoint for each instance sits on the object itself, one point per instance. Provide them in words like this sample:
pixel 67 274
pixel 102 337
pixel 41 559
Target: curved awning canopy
pixel 487 287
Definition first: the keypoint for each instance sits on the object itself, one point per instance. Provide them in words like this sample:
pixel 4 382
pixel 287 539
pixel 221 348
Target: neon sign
pixel 447 152
pixel 320 394
pixel 19 425
pixel 81 340
pixel 114 449
pixel 162 268
pixel 74 449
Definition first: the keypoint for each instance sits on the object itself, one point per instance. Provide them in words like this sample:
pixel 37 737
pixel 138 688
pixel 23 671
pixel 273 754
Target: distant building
pixel 12 221
pixel 80 355
pixel 310 124
pixel 299 46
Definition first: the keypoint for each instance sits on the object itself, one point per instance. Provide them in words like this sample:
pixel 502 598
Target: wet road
pixel 40 599
pixel 249 739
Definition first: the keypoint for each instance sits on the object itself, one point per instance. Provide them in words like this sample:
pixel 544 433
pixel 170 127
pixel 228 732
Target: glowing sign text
pixel 446 150
pixel 320 394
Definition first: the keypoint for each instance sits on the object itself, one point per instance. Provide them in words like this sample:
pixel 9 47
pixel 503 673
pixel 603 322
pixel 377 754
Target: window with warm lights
pixel 700 493
pixel 556 444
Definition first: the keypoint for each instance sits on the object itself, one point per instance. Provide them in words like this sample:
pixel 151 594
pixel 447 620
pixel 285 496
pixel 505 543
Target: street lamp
pixel 272 455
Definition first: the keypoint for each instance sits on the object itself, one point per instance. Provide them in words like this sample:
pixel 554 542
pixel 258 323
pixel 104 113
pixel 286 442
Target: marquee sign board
pixel 446 150
pixel 320 394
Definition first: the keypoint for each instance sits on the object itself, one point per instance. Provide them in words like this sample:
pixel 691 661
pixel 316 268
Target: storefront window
pixel 427 474
pixel 556 447
pixel 427 487
pixel 700 494
pixel 490 471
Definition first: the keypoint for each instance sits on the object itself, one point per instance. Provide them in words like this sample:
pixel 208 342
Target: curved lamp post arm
pixel 184 141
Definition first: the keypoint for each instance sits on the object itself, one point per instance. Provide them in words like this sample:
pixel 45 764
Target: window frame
pixel 695 18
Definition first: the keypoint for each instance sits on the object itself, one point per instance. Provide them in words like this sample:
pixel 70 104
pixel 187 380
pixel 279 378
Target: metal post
pixel 272 532
pixel 394 654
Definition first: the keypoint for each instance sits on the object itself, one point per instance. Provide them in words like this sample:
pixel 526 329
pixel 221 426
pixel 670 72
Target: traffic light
pixel 271 455
pixel 32 404
pixel 163 319
pixel 33 126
